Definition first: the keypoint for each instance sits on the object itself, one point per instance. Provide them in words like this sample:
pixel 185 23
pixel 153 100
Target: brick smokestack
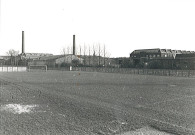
pixel 23 42
pixel 73 44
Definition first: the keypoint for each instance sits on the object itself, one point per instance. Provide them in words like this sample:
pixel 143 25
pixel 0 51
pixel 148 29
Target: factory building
pixel 57 60
pixel 185 60
pixel 163 58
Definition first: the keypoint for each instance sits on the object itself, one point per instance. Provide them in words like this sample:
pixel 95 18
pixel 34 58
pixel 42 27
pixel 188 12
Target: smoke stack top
pixel 73 44
pixel 23 42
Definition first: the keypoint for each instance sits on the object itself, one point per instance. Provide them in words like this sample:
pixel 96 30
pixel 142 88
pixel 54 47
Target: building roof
pixel 38 54
pixel 35 55
pixel 168 51
pixel 53 57
pixel 163 50
pixel 155 50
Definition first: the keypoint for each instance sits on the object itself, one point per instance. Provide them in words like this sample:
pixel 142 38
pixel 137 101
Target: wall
pixel 12 69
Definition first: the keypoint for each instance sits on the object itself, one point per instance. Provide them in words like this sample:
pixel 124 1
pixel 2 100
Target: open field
pixel 64 102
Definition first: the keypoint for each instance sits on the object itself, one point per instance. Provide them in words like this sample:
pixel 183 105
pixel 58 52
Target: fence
pixel 59 69
pixel 159 72
pixel 12 69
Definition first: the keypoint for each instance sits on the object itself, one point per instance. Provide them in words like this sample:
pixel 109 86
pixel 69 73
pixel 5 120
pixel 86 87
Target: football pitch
pixel 70 102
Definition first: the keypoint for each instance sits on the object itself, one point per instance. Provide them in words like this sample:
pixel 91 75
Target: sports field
pixel 64 102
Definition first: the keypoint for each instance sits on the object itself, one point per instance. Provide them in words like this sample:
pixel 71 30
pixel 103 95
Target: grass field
pixel 83 103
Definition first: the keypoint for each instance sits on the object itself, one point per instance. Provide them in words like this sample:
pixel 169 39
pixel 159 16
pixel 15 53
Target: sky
pixel 121 25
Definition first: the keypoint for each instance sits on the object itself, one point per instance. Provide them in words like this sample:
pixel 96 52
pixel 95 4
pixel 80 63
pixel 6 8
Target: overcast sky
pixel 121 25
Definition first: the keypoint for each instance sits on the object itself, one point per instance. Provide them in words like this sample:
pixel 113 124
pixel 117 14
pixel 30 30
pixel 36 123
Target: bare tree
pixel 68 50
pixel 89 56
pixel 13 54
pixel 84 51
pixel 107 58
pixel 80 50
pixel 64 53
pixel 94 55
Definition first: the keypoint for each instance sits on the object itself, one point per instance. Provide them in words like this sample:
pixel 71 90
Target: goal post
pixel 39 68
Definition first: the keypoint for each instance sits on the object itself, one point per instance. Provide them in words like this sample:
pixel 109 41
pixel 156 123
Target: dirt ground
pixel 73 103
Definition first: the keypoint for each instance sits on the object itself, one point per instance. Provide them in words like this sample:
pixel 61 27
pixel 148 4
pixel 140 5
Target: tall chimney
pixel 22 42
pixel 73 44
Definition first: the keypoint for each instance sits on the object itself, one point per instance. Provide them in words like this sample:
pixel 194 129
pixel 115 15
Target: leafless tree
pixel 12 52
pixel 68 50
pixel 99 56
pixel 84 51
pixel 107 58
pixel 64 53
pixel 80 50
pixel 94 55
pixel 89 56
pixel 13 58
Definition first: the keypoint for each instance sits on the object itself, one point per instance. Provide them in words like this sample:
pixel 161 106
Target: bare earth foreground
pixel 73 103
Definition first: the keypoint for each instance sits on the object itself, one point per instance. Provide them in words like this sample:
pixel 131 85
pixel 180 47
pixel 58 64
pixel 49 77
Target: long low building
pixel 34 56
pixel 158 53
pixel 163 58
pixel 56 60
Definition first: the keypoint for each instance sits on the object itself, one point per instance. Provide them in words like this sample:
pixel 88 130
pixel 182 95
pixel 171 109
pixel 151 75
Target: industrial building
pixel 163 58
pixel 57 60
pixel 49 59
pixel 143 58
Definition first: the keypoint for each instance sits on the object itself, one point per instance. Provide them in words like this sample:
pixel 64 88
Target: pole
pixel 73 44
pixel 22 42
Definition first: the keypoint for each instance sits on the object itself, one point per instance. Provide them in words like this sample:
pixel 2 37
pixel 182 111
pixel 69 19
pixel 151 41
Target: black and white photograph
pixel 97 67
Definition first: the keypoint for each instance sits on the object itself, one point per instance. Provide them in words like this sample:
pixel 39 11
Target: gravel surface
pixel 62 102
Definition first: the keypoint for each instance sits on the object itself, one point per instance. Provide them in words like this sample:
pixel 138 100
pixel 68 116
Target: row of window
pixel 156 55
pixel 153 55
